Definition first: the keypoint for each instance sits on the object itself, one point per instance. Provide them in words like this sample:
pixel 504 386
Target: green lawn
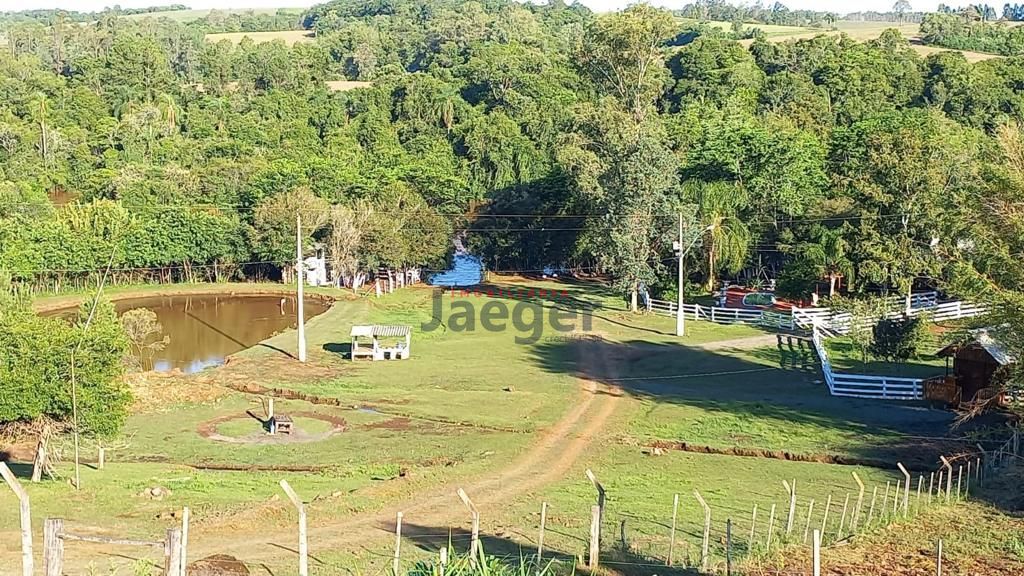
pixel 470 401
pixel 845 357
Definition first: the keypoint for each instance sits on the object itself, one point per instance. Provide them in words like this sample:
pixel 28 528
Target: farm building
pixel 400 338
pixel 975 365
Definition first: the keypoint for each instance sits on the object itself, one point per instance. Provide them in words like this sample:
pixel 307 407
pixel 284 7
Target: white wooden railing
pixel 864 385
pixel 723 315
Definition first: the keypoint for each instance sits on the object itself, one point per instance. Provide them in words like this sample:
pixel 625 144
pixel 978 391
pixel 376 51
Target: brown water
pixel 205 329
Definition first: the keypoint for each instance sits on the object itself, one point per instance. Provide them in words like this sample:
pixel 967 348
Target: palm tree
pixel 828 253
pixel 726 240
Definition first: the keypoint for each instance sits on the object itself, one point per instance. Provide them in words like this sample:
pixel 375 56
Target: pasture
pixel 289 37
pixel 185 16
pixel 514 423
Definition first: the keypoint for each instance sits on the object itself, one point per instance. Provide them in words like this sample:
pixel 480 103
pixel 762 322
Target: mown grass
pixel 846 357
pixel 496 395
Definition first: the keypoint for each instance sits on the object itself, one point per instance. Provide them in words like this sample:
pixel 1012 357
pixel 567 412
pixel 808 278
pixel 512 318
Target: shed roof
pixel 984 339
pixel 382 331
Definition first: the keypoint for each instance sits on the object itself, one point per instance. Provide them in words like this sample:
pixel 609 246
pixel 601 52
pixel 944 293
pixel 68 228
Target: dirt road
pixel 554 455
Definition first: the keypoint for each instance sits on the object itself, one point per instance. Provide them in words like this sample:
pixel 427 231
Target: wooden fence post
pixel 172 552
pixel 595 536
pixel 396 562
pixel 540 537
pixel 600 496
pixel 303 545
pixel 885 501
pixel 949 476
pixel 53 547
pixel 186 515
pixel 728 547
pixel 938 486
pixel 842 519
pixel 920 482
pixel 807 526
pixel 771 529
pixel 816 553
pixel 859 506
pixel 959 480
pixel 824 519
pixel 967 481
pixel 25 515
pixel 753 524
pixel 871 511
pixel 906 488
pixel 474 540
pixel 101 458
pixel 791 488
pixel 672 533
pixel 938 558
pixel 707 530
pixel 931 482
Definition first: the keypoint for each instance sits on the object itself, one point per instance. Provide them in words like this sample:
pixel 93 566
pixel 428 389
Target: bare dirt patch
pixel 391 424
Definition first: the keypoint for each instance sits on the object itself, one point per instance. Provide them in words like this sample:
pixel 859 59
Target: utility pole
pixel 299 265
pixel 680 316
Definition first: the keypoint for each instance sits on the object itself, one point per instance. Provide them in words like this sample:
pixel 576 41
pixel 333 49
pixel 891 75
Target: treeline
pixel 550 135
pixel 214 21
pixel 957 32
pixel 776 13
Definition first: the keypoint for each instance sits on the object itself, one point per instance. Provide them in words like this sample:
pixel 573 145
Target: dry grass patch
pixel 290 37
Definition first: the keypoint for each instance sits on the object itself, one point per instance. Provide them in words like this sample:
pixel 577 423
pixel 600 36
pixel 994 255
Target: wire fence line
pixel 721 540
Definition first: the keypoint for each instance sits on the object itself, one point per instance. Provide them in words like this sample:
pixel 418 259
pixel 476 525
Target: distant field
pixel 290 37
pixel 190 15
pixel 860 31
pixel 768 29
pixel 343 85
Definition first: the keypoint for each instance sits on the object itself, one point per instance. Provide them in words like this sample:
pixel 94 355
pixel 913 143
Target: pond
pixel 204 329
pixel 466 270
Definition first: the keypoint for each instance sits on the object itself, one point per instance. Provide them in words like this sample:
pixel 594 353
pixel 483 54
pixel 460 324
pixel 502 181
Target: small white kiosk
pixel 400 338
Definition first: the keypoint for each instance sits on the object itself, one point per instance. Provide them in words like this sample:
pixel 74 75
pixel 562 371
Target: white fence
pixel 824 323
pixel 863 385
pixel 827 320
pixel 723 315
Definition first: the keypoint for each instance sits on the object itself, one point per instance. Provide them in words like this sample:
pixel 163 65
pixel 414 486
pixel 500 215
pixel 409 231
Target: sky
pixel 838 6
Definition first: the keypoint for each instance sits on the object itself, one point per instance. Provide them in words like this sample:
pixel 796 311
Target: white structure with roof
pixel 401 336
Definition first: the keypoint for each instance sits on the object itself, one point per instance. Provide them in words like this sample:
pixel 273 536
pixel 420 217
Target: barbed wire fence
pixel 691 537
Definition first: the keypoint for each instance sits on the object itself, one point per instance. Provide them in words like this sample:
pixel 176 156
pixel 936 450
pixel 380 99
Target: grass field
pixel 860 31
pixel 289 37
pixel 514 423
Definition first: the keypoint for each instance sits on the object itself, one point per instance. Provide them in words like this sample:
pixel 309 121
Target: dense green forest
pixel 965 33
pixel 542 134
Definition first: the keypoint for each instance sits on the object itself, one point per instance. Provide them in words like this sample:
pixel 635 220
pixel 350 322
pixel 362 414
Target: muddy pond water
pixel 204 329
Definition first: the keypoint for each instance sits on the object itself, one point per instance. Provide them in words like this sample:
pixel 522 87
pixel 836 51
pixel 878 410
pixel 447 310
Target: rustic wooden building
pixel 974 365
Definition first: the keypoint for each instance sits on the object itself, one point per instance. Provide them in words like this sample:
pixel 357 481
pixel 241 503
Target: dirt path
pixel 557 451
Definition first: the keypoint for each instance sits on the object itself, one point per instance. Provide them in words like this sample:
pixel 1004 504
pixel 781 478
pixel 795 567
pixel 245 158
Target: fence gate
pixel 54 537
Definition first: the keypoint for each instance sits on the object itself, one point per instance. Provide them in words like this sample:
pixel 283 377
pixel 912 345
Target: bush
pixel 899 339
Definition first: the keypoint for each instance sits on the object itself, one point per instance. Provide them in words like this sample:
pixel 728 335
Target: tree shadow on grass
pixel 572 296
pixel 342 349
pixel 774 398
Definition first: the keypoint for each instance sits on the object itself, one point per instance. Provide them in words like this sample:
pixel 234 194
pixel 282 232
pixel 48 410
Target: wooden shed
pixel 381 342
pixel 975 363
